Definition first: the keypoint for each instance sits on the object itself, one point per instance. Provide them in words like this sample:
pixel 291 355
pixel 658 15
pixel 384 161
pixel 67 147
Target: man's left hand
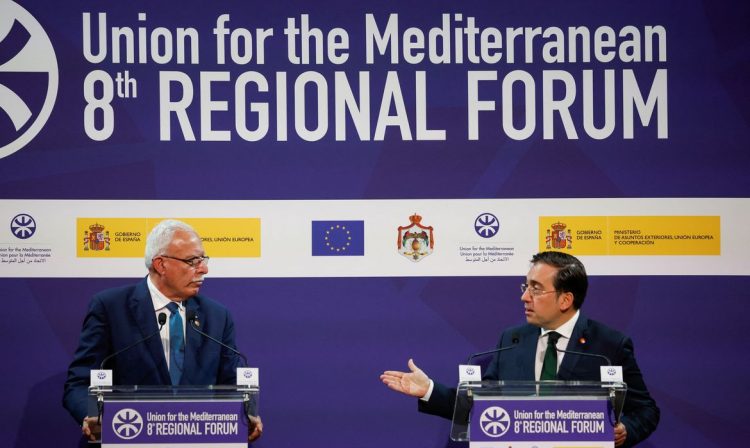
pixel 255 429
pixel 621 433
pixel 91 428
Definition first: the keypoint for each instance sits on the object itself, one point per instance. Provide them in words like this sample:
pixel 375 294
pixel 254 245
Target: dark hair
pixel 571 275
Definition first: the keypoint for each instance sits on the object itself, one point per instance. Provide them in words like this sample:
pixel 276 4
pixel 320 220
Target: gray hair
pixel 161 236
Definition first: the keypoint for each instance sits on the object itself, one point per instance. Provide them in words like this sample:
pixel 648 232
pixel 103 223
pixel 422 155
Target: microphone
pixel 594 355
pixel 514 341
pixel 162 321
pixel 619 400
pixel 192 317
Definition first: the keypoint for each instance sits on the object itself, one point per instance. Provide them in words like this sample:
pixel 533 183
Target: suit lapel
pixel 142 308
pixel 570 360
pixel 528 343
pixel 193 341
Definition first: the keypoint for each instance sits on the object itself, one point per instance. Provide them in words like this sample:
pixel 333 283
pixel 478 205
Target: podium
pixel 174 416
pixel 542 414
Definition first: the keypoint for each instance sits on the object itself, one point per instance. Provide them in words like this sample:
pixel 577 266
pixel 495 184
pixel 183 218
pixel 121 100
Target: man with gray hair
pixel 119 317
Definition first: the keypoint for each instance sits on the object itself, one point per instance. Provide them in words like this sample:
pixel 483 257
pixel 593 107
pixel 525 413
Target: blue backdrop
pixel 322 342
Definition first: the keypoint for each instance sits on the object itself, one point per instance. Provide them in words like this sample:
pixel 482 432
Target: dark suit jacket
pixel 640 413
pixel 119 317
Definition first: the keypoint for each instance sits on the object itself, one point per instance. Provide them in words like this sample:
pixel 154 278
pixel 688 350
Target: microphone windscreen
pixel 191 316
pixel 162 318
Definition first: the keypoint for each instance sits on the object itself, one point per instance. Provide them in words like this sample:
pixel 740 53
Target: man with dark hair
pixel 552 295
pixel 571 275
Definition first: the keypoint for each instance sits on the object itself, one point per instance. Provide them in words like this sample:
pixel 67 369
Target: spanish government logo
pixel 416 240
pixel 23 226
pixel 559 236
pixel 28 73
pixel 127 424
pixel 494 421
pixel 96 238
pixel 486 225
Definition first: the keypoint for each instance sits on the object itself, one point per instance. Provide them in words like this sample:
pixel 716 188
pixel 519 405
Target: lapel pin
pixel 582 340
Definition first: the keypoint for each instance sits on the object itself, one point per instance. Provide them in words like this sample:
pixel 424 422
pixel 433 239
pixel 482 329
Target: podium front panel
pixel 178 423
pixel 541 423
pixel 174 416
pixel 537 414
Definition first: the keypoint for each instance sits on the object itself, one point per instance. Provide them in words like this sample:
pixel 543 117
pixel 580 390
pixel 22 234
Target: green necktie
pixel 549 368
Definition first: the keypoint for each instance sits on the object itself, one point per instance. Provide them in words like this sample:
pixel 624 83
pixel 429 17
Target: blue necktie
pixel 176 344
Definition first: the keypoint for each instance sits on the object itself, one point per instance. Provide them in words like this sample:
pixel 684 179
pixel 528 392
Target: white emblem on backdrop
pixel 36 59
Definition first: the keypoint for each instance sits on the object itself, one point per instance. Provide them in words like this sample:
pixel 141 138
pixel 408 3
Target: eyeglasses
pixel 534 292
pixel 193 262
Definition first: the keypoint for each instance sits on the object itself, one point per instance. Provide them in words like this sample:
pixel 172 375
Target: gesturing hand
pixel 414 383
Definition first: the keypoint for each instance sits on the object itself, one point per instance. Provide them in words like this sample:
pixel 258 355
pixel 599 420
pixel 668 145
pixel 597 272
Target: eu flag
pixel 338 238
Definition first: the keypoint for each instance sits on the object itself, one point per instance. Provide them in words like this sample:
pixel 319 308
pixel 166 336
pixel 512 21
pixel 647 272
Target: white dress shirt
pixel 160 302
pixel 565 331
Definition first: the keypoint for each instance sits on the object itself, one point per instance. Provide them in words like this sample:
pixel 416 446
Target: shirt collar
pixel 565 330
pixel 159 300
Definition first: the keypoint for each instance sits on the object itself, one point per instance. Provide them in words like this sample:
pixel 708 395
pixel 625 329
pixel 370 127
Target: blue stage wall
pixel 321 342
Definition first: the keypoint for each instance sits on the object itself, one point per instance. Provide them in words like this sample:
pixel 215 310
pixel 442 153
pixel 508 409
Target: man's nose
pixel 526 296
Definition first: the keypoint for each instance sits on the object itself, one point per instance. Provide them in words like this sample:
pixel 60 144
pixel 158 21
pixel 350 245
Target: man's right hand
pixel 414 383
pixel 91 428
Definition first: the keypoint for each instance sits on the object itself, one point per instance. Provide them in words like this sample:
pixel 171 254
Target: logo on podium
pixel 494 421
pixel 127 424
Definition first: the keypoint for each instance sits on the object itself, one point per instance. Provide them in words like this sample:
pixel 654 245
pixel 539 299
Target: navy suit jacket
pixel 640 413
pixel 119 317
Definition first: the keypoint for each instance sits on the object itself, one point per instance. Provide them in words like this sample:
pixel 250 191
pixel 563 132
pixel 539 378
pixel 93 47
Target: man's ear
pixel 157 264
pixel 565 301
